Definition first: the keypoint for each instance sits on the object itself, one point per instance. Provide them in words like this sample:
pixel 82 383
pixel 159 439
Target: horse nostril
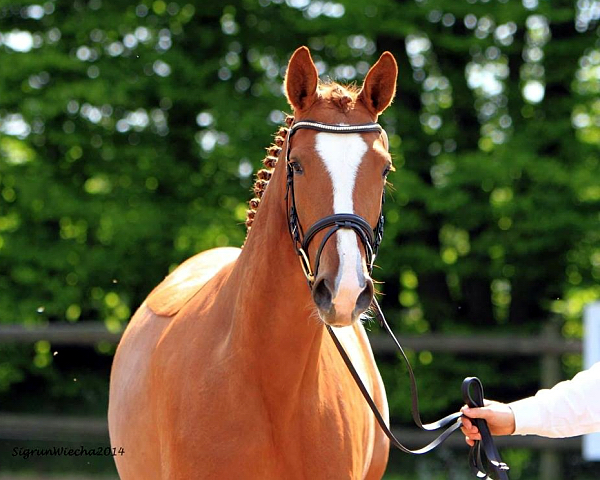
pixel 364 299
pixel 322 295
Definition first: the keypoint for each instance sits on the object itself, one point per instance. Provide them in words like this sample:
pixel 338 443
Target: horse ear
pixel 379 87
pixel 301 80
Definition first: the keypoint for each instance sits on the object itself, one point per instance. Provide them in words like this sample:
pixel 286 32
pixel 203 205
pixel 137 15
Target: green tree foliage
pixel 129 132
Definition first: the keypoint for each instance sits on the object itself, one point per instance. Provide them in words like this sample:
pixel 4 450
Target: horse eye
pixel 387 170
pixel 296 167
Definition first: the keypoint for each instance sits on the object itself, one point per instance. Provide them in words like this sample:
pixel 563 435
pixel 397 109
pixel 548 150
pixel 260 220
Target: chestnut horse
pixel 225 371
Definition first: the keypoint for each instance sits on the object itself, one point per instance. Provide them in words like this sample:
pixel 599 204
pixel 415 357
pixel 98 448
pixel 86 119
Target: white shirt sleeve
pixel 568 409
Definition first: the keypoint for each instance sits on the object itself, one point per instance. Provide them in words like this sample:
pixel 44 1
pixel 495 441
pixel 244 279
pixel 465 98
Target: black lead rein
pixel 484 458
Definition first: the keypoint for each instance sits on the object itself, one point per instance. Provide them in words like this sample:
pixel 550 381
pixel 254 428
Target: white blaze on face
pixel 342 155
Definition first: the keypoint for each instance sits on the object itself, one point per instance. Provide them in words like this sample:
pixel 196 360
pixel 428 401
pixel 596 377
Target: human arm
pixel 570 408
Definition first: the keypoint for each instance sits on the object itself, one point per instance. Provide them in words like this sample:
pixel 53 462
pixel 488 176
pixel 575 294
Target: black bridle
pixel 369 237
pixel 483 456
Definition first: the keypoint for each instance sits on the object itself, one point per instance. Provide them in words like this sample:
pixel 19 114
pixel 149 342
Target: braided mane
pixel 263 176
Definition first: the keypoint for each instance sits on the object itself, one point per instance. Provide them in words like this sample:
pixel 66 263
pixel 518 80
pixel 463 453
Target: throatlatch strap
pixel 483 456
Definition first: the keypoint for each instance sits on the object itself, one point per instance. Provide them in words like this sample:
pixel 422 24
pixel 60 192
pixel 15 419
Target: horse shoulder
pixel 132 416
pixel 188 279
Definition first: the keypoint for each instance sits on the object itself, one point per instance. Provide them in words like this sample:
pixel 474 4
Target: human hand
pixel 499 417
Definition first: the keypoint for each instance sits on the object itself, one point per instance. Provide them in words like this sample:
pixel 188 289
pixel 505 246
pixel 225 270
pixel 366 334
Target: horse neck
pixel 275 319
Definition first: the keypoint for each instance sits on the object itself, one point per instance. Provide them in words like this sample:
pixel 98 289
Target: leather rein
pixel 484 458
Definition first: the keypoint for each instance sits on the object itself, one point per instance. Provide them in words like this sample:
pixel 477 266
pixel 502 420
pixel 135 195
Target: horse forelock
pixel 341 96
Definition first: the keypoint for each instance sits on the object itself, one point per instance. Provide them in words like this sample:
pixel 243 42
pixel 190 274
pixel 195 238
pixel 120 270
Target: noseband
pixel 369 237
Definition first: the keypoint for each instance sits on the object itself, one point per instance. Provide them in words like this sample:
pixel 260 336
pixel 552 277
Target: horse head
pixel 338 172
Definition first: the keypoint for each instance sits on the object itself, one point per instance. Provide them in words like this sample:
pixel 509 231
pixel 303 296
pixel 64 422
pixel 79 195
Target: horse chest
pixel 227 425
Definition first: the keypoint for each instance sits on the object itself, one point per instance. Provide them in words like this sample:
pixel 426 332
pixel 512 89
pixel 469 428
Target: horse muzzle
pixel 343 306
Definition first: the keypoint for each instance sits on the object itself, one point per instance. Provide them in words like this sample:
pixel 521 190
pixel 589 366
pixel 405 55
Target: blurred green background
pixel 130 133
